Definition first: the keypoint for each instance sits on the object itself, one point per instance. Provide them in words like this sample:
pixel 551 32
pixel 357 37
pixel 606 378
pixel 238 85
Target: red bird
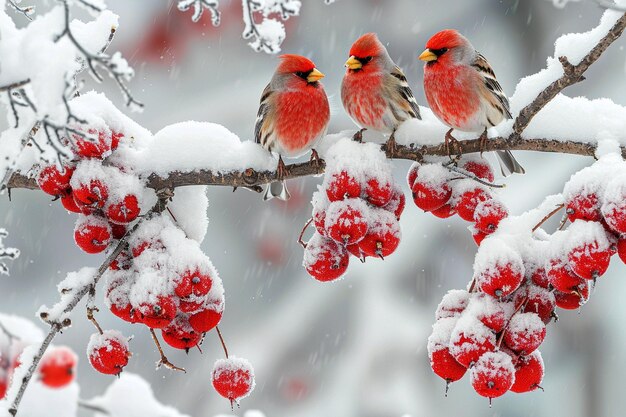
pixel 374 90
pixel 463 92
pixel 293 115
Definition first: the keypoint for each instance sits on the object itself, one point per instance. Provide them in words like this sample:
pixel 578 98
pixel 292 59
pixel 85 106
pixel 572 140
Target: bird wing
pixel 492 89
pixel 263 127
pixel 403 94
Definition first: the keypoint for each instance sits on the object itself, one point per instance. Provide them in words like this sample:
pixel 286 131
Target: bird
pixel 463 92
pixel 293 116
pixel 374 90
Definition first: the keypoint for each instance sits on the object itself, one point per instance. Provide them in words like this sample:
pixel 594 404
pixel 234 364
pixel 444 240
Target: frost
pixel 6 253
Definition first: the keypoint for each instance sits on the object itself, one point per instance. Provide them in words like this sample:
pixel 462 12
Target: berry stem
pixel 222 341
pixel 545 219
pixel 453 168
pixel 308 223
pixel 92 318
pixel 517 309
pixel 164 361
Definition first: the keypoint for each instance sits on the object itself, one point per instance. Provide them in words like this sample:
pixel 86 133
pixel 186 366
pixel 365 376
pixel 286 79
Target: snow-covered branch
pixel 6 253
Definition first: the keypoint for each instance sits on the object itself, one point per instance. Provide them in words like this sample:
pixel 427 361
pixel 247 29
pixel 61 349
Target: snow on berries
pixel 493 374
pixel 108 352
pixel 499 269
pixel 233 378
pixel 57 368
pixel 356 211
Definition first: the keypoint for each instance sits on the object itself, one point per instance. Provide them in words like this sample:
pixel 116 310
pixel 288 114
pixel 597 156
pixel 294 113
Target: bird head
pixel 366 53
pixel 298 69
pixel 446 47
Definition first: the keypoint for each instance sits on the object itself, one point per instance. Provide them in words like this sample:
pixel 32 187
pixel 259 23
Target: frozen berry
pixel 346 221
pixel 500 280
pixel 320 205
pixel 158 314
pixel 325 259
pixel 58 367
pixel 481 168
pixel 54 180
pixel 539 277
pixel 93 194
pixel 92 234
pixel 378 193
pixel 529 372
pixel 452 304
pixel 583 206
pixel 478 236
pixel 445 211
pixel 589 260
pixel 621 249
pixel 93 144
pixel 180 335
pixel 488 215
pixel 342 185
pixel 430 196
pixel 561 276
pixel 572 299
pixel 233 378
pixel 493 374
pixel 397 203
pixel 525 332
pixel 205 320
pixel 108 352
pixel 193 282
pixel 538 300
pixel 445 366
pixel 470 339
pixel 67 199
pixel 124 211
pixel 411 175
pixel 466 205
pixel 117 230
pixel 383 236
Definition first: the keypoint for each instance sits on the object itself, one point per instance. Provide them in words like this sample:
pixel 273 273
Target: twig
pixel 308 223
pixel 219 334
pixel 92 407
pixel 506 326
pixel 164 361
pixel 26 11
pixel 472 176
pixel 198 9
pixel 572 74
pixel 15 85
pixel 545 219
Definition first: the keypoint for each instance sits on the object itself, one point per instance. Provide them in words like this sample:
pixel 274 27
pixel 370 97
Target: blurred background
pixel 356 348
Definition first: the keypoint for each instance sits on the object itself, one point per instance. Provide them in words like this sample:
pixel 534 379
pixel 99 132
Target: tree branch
pixel 572 74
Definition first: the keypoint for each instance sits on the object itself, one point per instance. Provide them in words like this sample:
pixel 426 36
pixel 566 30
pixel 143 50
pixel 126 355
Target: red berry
pixel 529 372
pixel 583 206
pixel 493 374
pixel 233 378
pixel 54 181
pixel 320 205
pixel 180 335
pixel 470 339
pixel 158 314
pixel 58 367
pixel 205 320
pixel 377 193
pixel 488 215
pixel 478 236
pixel 115 139
pixel 355 250
pixel 325 259
pixel 123 262
pixel 589 260
pixel 500 280
pixel 117 230
pixel 92 195
pixel 193 282
pixel 540 278
pixel 92 234
pixel 3 388
pixel 430 196
pixel 561 276
pixel 525 332
pixel 342 185
pixel 397 203
pixel 108 352
pixel 481 168
pixel 445 211
pixel 126 313
pixel 538 300
pixel 124 211
pixel 489 311
pixel 67 199
pixel 466 205
pixel 445 366
pixel 383 236
pixel 90 147
pixel 572 299
pixel 452 304
pixel 346 221
pixel 411 175
pixel 621 249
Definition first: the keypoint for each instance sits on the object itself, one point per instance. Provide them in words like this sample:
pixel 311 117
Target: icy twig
pixel 306 226
pixel 26 11
pixel 219 334
pixel 163 361
pixel 545 219
pixel 8 253
pixel 572 74
pixel 70 299
pixel 198 9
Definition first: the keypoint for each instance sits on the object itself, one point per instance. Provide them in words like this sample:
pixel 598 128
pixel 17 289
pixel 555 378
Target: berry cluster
pixel 444 193
pixel 57 368
pixel 164 281
pixel 521 274
pixel 356 211
pixel 233 378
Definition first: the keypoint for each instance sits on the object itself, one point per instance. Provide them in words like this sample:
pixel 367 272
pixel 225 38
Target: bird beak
pixel 353 63
pixel 315 75
pixel 428 56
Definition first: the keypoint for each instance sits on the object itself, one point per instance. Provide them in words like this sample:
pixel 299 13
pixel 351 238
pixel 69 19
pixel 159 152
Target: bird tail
pixel 276 190
pixel 508 163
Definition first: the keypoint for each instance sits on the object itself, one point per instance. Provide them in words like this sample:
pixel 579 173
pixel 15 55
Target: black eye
pixel 302 75
pixel 439 52
pixel 365 60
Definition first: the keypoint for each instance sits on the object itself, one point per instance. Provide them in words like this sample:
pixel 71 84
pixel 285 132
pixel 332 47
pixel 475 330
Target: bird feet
pixel 316 161
pixel 449 143
pixel 358 136
pixel 281 169
pixel 392 145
